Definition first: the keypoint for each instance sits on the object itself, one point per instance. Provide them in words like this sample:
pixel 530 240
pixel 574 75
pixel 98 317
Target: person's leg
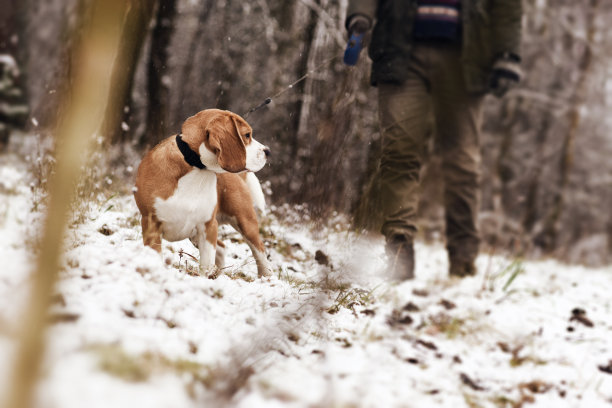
pixel 403 113
pixel 458 116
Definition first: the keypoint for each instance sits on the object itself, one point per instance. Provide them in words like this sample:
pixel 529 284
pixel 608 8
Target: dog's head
pixel 224 142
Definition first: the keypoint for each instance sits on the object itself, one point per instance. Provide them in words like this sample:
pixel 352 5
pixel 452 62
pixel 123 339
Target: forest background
pixel 547 176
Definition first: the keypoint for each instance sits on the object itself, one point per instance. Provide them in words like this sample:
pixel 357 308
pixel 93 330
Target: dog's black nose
pixel 267 152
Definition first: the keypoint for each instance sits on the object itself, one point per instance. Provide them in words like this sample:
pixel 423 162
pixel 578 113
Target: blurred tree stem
pixel 73 134
pixel 135 29
pixel 157 73
pixel 548 238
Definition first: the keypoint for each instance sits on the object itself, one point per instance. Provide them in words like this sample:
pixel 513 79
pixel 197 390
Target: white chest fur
pixel 190 206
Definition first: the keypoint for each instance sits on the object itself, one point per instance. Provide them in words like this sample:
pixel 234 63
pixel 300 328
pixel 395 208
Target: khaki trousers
pixel 435 88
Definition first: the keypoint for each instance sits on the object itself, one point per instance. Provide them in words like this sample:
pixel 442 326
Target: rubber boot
pixel 400 257
pixel 462 268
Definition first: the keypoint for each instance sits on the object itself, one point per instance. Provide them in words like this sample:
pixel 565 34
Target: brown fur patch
pixel 229 148
pixel 223 133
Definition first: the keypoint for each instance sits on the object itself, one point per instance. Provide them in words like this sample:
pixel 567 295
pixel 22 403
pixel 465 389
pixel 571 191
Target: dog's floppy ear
pixel 224 140
pixel 216 129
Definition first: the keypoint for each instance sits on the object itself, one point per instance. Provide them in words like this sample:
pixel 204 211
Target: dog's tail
pixel 259 200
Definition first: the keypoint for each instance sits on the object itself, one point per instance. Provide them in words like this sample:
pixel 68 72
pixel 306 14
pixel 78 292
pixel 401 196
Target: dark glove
pixel 506 74
pixel 358 24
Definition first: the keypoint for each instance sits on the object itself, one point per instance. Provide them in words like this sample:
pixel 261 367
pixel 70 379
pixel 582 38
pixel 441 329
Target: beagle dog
pixel 205 171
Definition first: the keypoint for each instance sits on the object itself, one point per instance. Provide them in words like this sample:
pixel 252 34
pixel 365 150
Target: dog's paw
pixel 264 271
pixel 211 272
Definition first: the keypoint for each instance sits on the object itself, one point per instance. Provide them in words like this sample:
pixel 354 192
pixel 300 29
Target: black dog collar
pixel 191 157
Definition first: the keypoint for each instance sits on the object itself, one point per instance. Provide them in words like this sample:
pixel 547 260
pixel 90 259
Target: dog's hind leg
pixel 246 223
pixel 220 255
pixel 151 232
pixel 259 253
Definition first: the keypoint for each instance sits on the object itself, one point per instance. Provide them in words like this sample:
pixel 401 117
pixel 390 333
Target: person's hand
pixel 357 27
pixel 506 74
pixel 358 24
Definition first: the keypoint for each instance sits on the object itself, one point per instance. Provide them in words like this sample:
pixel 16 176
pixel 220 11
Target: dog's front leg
pixel 207 244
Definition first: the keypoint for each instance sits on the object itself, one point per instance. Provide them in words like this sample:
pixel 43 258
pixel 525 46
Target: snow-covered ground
pixel 132 329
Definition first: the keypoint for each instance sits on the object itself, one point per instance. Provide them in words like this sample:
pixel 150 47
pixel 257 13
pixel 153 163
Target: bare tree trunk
pixel 11 26
pixel 531 213
pixel 90 84
pixel 504 171
pixel 325 183
pixel 159 93
pixel 186 79
pixel 135 29
pixel 548 239
pixel 301 106
pixel 533 208
pixel 226 61
pixel 13 100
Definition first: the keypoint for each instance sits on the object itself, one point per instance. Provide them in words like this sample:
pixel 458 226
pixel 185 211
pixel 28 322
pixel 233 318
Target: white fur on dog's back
pixel 259 200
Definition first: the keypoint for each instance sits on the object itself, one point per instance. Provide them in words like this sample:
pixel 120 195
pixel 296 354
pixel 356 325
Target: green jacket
pixel 491 28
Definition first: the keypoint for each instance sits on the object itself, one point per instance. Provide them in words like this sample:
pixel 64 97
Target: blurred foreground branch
pixel 73 133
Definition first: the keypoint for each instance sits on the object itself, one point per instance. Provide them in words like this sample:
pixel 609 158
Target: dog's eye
pixel 247 136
